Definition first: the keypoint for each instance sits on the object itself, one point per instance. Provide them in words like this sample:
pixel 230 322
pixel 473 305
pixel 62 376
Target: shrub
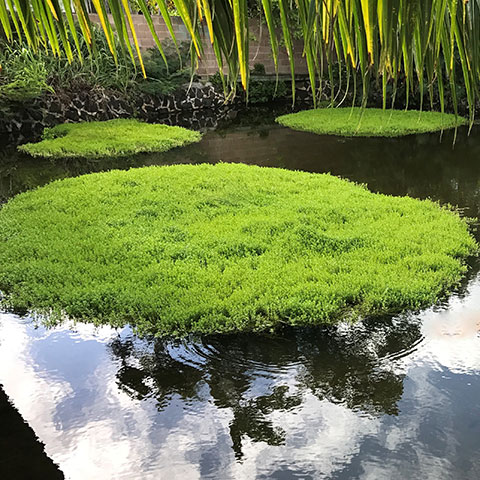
pixel 23 75
pixel 112 138
pixel 258 69
pixel 264 91
pixel 166 78
pixel 223 248
pixel 26 75
pixel 260 90
pixel 98 70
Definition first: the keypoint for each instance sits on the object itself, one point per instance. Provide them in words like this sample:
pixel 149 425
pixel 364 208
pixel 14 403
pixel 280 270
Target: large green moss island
pixel 369 122
pixel 112 138
pixel 223 248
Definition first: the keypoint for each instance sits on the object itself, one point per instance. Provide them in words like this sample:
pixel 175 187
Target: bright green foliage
pixel 222 248
pixel 369 122
pixel 22 77
pixel 26 73
pixel 113 138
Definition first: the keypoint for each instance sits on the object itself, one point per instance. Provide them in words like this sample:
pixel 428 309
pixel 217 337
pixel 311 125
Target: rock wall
pixel 100 104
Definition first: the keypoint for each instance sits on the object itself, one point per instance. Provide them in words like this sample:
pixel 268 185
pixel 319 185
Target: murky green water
pixel 391 397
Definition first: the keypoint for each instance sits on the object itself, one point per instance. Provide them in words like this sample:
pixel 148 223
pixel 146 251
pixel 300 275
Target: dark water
pixel 391 397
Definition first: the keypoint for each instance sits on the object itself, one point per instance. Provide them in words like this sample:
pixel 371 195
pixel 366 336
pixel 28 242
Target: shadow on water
pixel 338 365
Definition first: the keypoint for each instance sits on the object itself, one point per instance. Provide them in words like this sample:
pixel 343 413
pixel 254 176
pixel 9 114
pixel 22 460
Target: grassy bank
pixel 369 122
pixel 113 138
pixel 223 248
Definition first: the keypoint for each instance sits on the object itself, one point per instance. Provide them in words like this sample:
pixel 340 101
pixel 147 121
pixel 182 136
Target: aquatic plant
pixel 223 248
pixel 369 122
pixel 113 138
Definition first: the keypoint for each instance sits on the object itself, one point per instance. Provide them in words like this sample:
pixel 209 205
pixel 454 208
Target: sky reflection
pixel 385 399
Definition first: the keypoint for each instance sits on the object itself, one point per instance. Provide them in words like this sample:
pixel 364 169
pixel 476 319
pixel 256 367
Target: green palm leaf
pixel 424 42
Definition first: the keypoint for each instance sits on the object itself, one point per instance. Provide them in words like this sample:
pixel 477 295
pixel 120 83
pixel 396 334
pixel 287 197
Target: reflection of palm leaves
pixel 156 374
pixel 346 367
pixel 434 41
pixel 243 372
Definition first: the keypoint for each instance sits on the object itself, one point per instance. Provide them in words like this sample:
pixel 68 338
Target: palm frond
pixel 425 43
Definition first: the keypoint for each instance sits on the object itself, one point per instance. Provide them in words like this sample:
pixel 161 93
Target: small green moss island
pixel 223 248
pixel 369 122
pixel 112 138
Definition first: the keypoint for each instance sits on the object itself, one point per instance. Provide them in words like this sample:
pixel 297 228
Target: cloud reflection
pixel 348 402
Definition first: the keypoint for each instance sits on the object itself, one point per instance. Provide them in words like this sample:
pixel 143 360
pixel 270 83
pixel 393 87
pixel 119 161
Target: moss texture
pixel 113 138
pixel 368 122
pixel 223 248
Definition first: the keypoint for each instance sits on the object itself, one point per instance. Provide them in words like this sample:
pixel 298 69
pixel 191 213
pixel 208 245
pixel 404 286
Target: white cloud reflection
pixel 113 436
pixel 65 386
pixel 452 335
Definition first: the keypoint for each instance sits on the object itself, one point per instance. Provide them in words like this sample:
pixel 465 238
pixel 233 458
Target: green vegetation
pixel 22 77
pixel 164 78
pixel 113 138
pixel 26 74
pixel 429 44
pixel 223 248
pixel 368 122
pixel 262 88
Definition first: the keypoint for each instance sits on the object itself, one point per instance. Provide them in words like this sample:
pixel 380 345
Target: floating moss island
pixel 369 122
pixel 113 138
pixel 223 248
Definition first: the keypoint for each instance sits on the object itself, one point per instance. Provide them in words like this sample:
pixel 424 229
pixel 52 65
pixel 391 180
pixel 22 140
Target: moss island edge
pixel 224 248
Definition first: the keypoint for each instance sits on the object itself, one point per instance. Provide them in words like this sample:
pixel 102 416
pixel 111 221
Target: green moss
pixel 220 248
pixel 369 122
pixel 113 138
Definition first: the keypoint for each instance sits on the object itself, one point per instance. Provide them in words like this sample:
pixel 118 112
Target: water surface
pixel 392 397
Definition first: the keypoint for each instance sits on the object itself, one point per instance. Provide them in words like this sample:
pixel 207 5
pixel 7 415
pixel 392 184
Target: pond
pixel 393 397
